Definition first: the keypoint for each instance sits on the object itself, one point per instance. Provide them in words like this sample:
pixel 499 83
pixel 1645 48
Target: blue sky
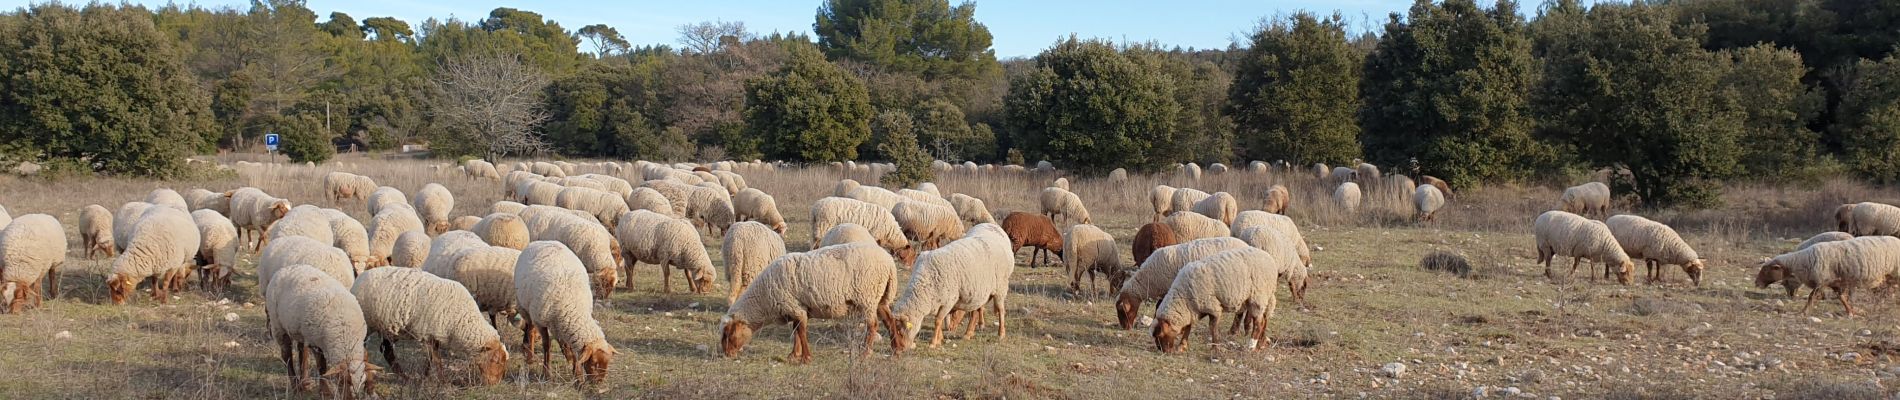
pixel 1021 27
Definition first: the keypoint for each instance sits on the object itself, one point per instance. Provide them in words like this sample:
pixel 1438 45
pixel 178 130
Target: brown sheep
pixel 1438 183
pixel 1026 229
pixel 1152 236
pixel 1277 200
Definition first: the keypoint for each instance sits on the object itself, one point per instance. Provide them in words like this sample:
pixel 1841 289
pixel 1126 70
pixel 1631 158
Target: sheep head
pixel 1694 269
pixel 903 334
pixel 733 335
pixel 1771 271
pixel 1170 338
pixel 594 359
pixel 120 288
pixel 1626 272
pixel 1126 309
pixel 493 362
pixel 354 377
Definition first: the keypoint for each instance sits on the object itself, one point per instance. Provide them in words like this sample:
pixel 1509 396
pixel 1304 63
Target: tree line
pixel 1683 94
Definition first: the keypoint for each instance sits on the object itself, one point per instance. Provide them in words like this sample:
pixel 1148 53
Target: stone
pixel 1393 370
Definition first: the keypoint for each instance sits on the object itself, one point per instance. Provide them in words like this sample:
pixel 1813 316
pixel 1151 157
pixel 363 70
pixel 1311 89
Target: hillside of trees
pixel 1685 94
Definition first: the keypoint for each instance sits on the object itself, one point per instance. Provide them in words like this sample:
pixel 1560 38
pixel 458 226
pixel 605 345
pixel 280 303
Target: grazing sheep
pixel 32 248
pixel 1088 249
pixel 446 249
pixel 1281 224
pixel 1284 249
pixel 1220 206
pixel 507 207
pixel 411 250
pixel 548 169
pixel 351 237
pixel 552 293
pixel 385 227
pixel 604 206
pixel 1320 171
pixel 747 248
pixel 589 241
pixel 1184 200
pixel 846 233
pixel 710 206
pixel 405 303
pixel 254 211
pixel 433 204
pixel 928 224
pixel 95 231
pixel 1151 236
pixel 931 188
pixel 754 205
pixel 1654 243
pixel 1347 196
pixel 1234 281
pixel 1875 219
pixel 1025 229
pixel 308 310
pixel 1367 173
pixel 647 198
pixel 733 183
pixel 1278 198
pixel 1057 201
pixel 1437 183
pixel 168 198
pixel 1118 175
pixel 1862 262
pixel 1427 200
pixel 1152 279
pixel 923 196
pixel 160 246
pixel 1590 199
pixel 201 199
pixel 386 197
pixel 1190 172
pixel 971 209
pixel 831 211
pixel 306 221
pixel 464 223
pixel 479 169
pixel 668 242
pixel 298 250
pixel 1561 233
pixel 1188 226
pixel 844 187
pixel 501 229
pixel 536 192
pixel 1162 196
pixel 1823 237
pixel 343 185
pixel 122 222
pixel 217 248
pixel 965 275
pixel 1343 174
pixel 828 282
pixel 875 195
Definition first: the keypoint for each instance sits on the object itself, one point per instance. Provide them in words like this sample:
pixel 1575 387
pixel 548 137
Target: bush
pixel 913 164
pixel 303 139
pixel 808 110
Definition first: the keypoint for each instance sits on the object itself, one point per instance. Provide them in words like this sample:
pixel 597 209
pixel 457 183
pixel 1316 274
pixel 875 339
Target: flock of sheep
pixel 563 240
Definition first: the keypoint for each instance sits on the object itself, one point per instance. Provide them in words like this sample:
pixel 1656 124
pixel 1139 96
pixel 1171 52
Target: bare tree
pixel 495 100
pixel 711 36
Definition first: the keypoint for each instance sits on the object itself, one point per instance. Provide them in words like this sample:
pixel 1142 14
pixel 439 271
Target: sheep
pixel 931 188
pixel 747 248
pixel 385 227
pixel 1561 233
pixel 1862 262
pixel 385 197
pixel 1188 226
pixel 1347 196
pixel 965 275
pixel 1239 280
pixel 254 211
pixel 1088 249
pixel 95 231
pixel 923 196
pixel 464 223
pixel 433 203
pixel 411 250
pixel 1343 174
pixel 589 241
pixel 1184 200
pixel 1162 196
pixel 1278 198
pixel 308 310
pixel 161 246
pixel 404 303
pixel 668 242
pixel 1320 171
pixel 827 282
pixel 1025 229
pixel 1427 200
pixel 1285 250
pixel 446 249
pixel 646 198
pixel 507 207
pixel 1367 173
pixel 1794 286
pixel 1280 223
pixel 217 248
pixel 1151 236
pixel 168 198
pixel 710 206
pixel 1118 175
pixel 539 193
pixel 1875 219
pixel 875 195
pixel 480 169
pixel 674 192
pixel 1056 201
pixel 298 250
pixel 341 185
pixel 306 221
pixel 1589 199
pixel 574 181
pixel 604 206
pixel 552 294
pixel 1654 243
pixel 1443 188
pixel 971 209
pixel 1823 237
pixel 32 248
pixel 1153 277
pixel 201 199
pixel 548 169
pixel 1220 206
pixel 831 211
pixel 1190 172
pixel 502 229
pixel 754 205
pixel 844 187
pixel 123 220
pixel 846 233
pixel 351 237
pixel 928 224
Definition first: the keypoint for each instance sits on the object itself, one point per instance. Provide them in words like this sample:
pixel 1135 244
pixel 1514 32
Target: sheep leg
pixel 303 365
pixel 389 355
pixel 290 364
pixel 547 353
pixel 1213 329
pixel 1002 320
pixel 803 347
pixel 870 332
pixel 936 335
pixel 1544 257
pixel 1187 331
pixel 52 281
pixel 1573 268
pixel 1844 303
pixel 435 357
pixel 568 352
pixel 666 279
pixel 1235 328
pixel 956 318
pixel 527 342
pixel 969 330
pixel 1811 295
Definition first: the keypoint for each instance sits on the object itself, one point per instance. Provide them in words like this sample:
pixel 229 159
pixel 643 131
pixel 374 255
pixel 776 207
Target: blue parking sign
pixel 270 141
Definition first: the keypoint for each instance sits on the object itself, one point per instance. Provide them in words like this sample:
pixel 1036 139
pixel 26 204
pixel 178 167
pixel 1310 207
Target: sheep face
pixel 903 334
pixel 353 378
pixel 120 288
pixel 1843 215
pixel 1626 272
pixel 779 227
pixel 1126 310
pixel 1694 269
pixel 1117 276
pixel 595 358
pixel 1771 271
pixel 733 335
pixel 493 362
pixel 906 256
pixel 1170 338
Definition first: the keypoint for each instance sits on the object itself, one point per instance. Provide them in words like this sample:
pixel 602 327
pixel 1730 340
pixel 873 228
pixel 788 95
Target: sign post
pixel 270 143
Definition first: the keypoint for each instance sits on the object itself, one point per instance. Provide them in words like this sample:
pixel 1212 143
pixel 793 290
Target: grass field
pixel 1504 328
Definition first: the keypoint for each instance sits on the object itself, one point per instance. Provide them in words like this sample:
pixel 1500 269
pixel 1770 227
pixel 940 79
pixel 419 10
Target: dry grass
pixel 1371 305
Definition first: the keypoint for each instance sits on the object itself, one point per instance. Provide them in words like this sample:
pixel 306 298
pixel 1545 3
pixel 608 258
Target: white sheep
pixel 1875 219
pixel 1862 262
pixel 923 196
pixel 709 205
pixel 433 204
pixel 507 207
pixel 1189 226
pixel 1118 175
pixel 1427 200
pixel 1823 237
pixel 1056 201
pixel 1320 171
pixel 657 239
pixel 343 185
pixel 1151 280
pixel 827 283
pixel 217 248
pixel 846 233
pixel 1656 244
pixel 253 211
pixel 479 169
pixel 548 169
pixel 160 246
pixel 1184 199
pixel 168 198
pixel 647 198
pixel 1561 233
pixel 411 250
pixel 751 204
pixel 731 181
pixel 1220 206
pixel 604 206
pixel 553 296
pixel 1590 198
pixel 32 248
pixel 1234 281
pixel 385 197
pixel 406 303
pixel 201 199
pixel 1367 173
pixel 971 209
pixel 931 188
pixel 465 222
pixel 965 275
pixel 123 221
pixel 590 241
pixel 309 310
pixel 831 211
pixel 298 250
pixel 1347 196
pixel 674 192
pixel 1162 197
pixel 1190 172
pixel 385 227
pixel 1285 230
pixel 1343 174
pixel 928 224
pixel 844 187
pixel 306 221
pixel 1284 249
pixel 1088 250
pixel 95 231
pixel 747 248
pixel 502 229
pixel 535 192
pixel 1060 183
pixel 875 195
